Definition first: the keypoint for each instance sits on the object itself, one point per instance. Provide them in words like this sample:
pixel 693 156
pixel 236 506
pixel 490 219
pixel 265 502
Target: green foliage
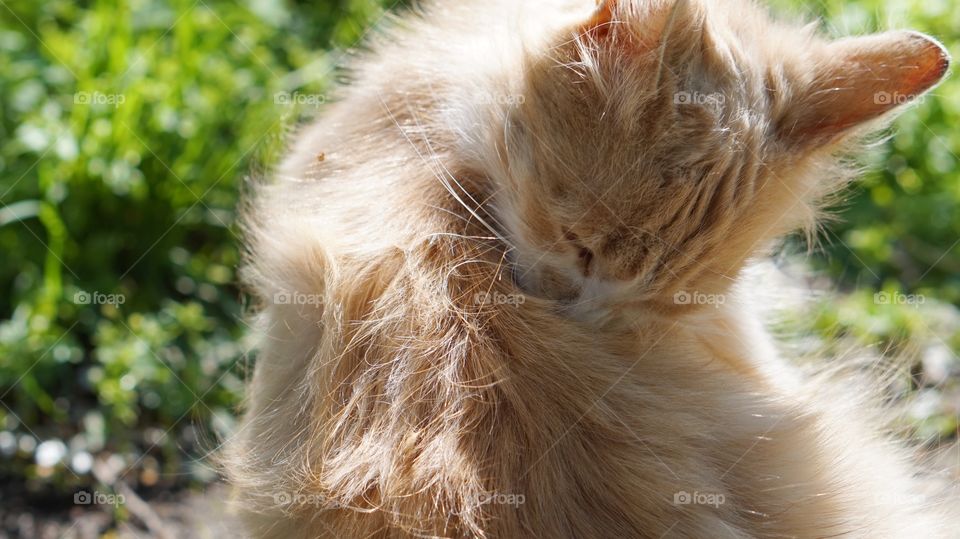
pixel 899 225
pixel 894 250
pixel 128 128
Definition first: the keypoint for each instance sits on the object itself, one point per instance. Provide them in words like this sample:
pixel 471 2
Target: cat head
pixel 659 144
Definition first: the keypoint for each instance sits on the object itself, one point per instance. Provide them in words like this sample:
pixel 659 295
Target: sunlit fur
pixel 536 151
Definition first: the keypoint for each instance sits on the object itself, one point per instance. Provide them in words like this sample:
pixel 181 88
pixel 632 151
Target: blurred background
pixel 127 130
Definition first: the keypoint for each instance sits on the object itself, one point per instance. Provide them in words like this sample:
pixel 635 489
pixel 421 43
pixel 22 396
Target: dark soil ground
pixel 183 514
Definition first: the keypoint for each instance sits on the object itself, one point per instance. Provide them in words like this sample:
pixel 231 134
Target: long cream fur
pixel 476 307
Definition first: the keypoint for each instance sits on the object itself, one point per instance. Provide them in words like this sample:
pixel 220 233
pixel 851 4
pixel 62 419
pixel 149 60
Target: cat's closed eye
pixel 585 258
pixel 584 254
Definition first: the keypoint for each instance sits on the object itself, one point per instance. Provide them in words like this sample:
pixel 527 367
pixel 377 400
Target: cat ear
pixel 598 25
pixel 859 80
pixel 655 25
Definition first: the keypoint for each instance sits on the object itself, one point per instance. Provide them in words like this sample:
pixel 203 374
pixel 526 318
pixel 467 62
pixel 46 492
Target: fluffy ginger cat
pixel 500 292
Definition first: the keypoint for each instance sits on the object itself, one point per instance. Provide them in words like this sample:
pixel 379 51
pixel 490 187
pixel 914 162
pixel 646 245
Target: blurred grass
pixel 128 128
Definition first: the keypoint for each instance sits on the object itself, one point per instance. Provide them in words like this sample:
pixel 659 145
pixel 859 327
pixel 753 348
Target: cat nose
pixel 601 268
pixel 612 272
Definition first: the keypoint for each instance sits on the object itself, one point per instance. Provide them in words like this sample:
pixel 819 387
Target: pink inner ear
pixel 861 79
pixel 602 26
pixel 639 30
pixel 599 23
pixel 924 70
